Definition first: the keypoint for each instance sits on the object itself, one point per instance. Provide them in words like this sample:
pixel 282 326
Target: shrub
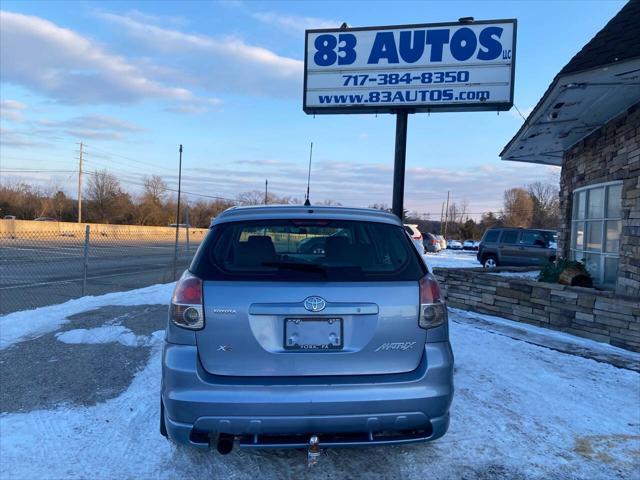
pixel 550 272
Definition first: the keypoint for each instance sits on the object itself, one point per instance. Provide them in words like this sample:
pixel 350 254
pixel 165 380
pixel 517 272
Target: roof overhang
pixel 574 106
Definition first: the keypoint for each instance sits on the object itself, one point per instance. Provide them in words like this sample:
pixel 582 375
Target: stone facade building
pixel 610 157
pixel 588 123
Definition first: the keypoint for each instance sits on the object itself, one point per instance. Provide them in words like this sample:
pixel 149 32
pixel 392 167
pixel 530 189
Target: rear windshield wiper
pixel 304 267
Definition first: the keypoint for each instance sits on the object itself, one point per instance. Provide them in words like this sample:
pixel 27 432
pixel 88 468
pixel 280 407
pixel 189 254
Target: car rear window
pixel 491 236
pixel 317 250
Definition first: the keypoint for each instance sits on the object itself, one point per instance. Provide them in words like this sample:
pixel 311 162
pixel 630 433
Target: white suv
pixel 416 237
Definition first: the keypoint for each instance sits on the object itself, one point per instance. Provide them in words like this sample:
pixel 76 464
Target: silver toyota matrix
pixel 298 326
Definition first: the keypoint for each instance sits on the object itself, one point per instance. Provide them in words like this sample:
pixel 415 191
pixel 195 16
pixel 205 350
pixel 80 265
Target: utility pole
pixel 175 250
pixel 80 187
pixel 266 190
pixel 446 217
pixel 442 219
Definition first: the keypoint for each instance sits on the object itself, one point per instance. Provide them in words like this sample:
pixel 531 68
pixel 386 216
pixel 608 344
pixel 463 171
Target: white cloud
pixel 294 24
pixel 98 127
pixel 17 139
pixel 12 110
pixel 70 68
pixel 363 184
pixel 94 122
pixel 221 63
pixel 44 132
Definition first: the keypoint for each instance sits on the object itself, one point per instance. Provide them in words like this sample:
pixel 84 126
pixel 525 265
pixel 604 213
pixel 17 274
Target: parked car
pixel 9 217
pixel 267 365
pixel 431 243
pixel 443 242
pixel 317 244
pixel 45 219
pixel 470 245
pixel 454 244
pixel 517 247
pixel 416 236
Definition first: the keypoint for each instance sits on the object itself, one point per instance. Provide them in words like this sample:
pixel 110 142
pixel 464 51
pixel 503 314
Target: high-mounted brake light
pixel 433 311
pixel 186 303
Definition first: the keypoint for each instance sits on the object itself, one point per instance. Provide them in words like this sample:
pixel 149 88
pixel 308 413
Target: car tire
pixel 163 426
pixel 490 261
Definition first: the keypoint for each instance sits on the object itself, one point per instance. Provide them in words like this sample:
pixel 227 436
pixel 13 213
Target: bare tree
pixel 256 197
pixel 152 210
pixel 20 199
pixel 155 188
pixel 103 192
pixel 546 204
pixel 489 220
pixel 252 197
pixel 518 208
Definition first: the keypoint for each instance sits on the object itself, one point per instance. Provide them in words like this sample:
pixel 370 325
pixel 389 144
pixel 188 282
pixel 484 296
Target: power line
pixel 129 182
pixel 219 197
pixel 519 112
pixel 110 161
pixel 168 189
pixel 147 164
pixel 25 170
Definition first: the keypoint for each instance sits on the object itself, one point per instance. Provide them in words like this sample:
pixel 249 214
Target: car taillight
pixel 186 303
pixel 433 311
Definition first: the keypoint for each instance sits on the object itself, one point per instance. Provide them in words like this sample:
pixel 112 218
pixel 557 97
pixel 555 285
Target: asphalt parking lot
pixel 48 269
pixel 86 404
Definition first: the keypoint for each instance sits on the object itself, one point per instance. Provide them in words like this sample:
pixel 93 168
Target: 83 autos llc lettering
pixel 422 65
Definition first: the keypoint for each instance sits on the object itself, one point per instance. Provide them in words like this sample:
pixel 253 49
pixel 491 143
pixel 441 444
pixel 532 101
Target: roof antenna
pixel 307 203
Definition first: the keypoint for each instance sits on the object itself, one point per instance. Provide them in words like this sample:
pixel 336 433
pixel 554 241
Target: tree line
pixel 536 205
pixel 106 201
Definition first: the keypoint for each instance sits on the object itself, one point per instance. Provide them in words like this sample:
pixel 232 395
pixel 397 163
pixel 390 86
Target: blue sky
pixel 132 80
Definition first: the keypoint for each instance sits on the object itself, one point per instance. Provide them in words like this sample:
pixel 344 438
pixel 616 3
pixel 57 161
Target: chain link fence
pixel 46 265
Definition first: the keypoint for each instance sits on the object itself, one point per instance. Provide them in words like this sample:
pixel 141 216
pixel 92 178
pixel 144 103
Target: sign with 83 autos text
pixel 423 68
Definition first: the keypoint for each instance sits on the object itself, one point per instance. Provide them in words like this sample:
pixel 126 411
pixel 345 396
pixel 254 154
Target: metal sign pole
pixel 399 162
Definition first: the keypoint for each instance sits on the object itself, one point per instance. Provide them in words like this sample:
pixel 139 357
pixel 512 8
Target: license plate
pixel 313 334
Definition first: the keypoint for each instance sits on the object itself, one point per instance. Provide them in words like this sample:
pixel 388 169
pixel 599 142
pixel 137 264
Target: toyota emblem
pixel 314 304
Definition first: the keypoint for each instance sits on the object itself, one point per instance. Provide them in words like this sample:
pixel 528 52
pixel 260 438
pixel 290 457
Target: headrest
pixel 255 251
pixel 337 247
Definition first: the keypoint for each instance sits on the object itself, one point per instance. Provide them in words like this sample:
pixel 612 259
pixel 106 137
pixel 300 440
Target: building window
pixel 596 225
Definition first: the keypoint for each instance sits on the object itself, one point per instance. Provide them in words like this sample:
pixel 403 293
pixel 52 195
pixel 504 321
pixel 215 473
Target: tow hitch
pixel 314 452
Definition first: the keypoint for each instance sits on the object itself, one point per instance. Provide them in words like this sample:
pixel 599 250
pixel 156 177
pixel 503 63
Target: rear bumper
pixel 283 412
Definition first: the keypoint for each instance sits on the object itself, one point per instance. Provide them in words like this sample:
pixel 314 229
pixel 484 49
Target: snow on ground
pixel 32 323
pixel 104 334
pixel 520 411
pixel 531 275
pixel 543 336
pixel 452 259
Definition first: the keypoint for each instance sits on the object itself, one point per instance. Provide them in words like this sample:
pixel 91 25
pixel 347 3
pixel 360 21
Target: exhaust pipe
pixel 224 444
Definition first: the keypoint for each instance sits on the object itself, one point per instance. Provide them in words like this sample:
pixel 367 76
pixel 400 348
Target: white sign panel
pixel 421 68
